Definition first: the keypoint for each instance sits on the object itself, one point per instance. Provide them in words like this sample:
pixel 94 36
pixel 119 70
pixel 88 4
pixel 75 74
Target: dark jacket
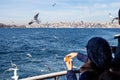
pixel 99 53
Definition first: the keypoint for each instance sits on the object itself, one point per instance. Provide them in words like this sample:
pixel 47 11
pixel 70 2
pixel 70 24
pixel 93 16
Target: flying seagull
pixel 35 19
pixel 117 18
pixel 29 55
pixel 13 64
pixel 53 4
pixel 110 15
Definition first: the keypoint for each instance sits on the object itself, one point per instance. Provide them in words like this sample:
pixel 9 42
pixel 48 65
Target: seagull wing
pixel 116 18
pixel 113 20
pixel 36 16
pixel 31 22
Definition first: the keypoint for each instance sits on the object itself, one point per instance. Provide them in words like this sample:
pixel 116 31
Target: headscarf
pixel 99 52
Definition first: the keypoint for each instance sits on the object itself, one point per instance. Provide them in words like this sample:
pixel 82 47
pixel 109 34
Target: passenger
pixel 99 58
pixel 113 73
pixel 116 59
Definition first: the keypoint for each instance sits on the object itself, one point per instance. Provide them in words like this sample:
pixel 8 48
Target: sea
pixel 47 48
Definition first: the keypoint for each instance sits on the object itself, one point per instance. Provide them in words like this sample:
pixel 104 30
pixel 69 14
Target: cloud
pixel 115 4
pixel 64 10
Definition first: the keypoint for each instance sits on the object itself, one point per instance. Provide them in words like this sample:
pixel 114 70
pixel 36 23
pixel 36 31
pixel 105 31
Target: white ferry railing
pixel 55 76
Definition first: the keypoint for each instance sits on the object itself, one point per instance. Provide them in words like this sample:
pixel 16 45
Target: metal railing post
pixel 56 78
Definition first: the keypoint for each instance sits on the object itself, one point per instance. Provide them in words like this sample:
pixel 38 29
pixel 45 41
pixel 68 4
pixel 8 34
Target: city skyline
pixel 22 11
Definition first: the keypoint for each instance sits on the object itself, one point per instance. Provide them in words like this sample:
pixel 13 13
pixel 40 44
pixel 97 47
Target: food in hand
pixel 66 59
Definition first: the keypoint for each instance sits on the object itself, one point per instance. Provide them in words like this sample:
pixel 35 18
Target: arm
pixel 71 75
pixel 82 57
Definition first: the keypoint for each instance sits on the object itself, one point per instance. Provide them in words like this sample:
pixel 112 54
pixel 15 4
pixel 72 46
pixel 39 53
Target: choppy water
pixel 47 47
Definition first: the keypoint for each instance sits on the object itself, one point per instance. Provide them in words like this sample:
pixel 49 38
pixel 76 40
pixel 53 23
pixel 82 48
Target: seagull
pixel 13 64
pixel 46 65
pixel 35 19
pixel 117 18
pixel 53 4
pixel 113 18
pixel 110 15
pixel 29 55
pixel 14 69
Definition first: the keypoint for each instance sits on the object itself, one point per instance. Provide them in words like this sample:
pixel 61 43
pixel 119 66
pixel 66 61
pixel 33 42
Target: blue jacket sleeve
pixel 71 75
pixel 82 57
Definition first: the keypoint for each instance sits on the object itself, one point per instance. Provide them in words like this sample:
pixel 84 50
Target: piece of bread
pixel 66 59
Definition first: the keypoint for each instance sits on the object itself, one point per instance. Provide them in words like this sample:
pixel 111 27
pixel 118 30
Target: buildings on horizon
pixel 65 25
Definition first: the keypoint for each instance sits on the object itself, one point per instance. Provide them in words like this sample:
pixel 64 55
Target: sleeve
pixel 82 57
pixel 71 75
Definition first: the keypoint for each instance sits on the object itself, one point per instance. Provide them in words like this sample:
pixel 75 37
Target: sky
pixel 22 11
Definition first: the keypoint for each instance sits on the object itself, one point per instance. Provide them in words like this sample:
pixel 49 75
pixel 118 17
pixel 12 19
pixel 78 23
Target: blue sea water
pixel 48 46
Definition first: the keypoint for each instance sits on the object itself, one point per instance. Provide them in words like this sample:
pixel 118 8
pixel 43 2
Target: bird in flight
pixel 53 4
pixel 117 18
pixel 35 19
pixel 13 64
pixel 29 55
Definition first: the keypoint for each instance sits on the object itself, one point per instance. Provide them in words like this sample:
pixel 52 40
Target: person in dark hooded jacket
pixel 99 58
pixel 113 72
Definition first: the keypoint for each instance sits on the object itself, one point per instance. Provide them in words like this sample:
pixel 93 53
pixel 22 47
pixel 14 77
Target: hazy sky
pixel 22 11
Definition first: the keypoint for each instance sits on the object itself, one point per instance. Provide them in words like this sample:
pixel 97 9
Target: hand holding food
pixel 69 63
pixel 66 59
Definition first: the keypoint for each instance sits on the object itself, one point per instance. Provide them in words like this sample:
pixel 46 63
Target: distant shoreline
pixel 65 25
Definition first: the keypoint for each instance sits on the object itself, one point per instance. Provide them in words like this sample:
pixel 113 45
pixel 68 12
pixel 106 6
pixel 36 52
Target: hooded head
pixel 99 52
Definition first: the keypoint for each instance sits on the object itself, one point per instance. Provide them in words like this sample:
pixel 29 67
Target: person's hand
pixel 69 64
pixel 72 55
